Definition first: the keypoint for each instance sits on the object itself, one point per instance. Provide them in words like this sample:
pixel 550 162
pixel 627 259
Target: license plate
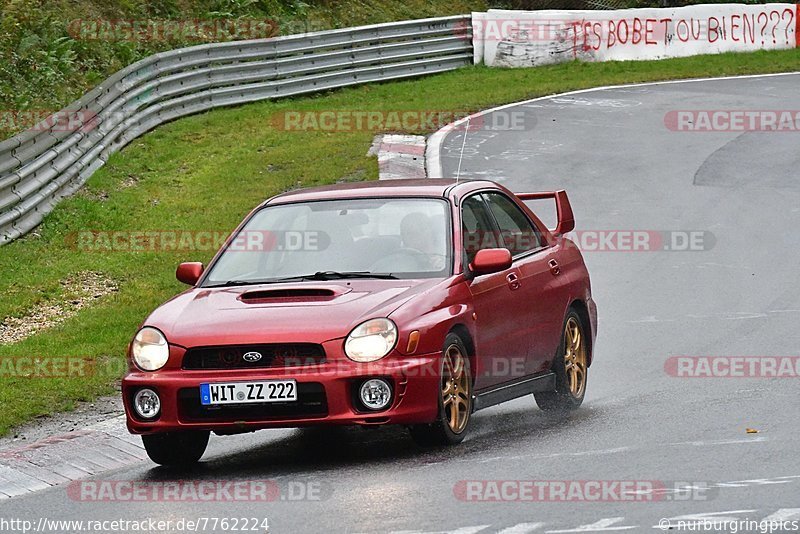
pixel 248 392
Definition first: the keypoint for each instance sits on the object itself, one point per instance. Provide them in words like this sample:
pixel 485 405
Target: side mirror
pixel 189 272
pixel 491 260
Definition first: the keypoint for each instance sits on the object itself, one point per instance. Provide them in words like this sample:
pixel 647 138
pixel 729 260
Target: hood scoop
pixel 300 294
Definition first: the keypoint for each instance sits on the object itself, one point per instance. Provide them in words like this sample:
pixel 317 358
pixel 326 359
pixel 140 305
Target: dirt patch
pixel 77 292
pixel 84 415
pixel 100 196
pixel 130 181
pixel 359 175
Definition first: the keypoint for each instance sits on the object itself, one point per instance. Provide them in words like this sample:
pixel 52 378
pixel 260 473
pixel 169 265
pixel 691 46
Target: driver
pixel 416 234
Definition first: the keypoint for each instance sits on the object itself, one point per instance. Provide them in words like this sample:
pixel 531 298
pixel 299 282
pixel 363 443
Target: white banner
pixel 530 38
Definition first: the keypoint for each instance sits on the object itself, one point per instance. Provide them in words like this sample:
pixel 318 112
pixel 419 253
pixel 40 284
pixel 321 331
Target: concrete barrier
pixel 531 38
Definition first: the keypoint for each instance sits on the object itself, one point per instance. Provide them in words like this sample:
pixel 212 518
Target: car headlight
pixel 149 349
pixel 371 340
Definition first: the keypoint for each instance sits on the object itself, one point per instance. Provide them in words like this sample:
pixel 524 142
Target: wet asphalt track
pixel 624 170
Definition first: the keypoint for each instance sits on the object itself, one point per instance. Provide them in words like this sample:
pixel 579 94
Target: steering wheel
pixel 403 260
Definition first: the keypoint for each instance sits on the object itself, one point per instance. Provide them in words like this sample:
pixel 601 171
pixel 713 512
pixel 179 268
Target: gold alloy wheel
pixel 575 358
pixel 456 389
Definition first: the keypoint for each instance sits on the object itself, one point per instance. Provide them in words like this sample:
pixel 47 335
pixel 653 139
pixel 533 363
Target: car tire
pixel 455 398
pixel 176 448
pixel 570 366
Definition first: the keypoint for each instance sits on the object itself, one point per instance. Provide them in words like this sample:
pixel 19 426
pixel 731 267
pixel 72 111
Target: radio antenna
pixel 461 155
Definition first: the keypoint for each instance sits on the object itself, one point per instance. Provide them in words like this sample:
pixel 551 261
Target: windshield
pixel 364 238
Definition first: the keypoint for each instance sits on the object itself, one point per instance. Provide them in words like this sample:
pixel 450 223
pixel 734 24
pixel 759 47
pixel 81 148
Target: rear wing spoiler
pixel 566 220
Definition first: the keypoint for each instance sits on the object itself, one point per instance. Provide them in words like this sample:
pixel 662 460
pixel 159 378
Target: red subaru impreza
pixel 399 302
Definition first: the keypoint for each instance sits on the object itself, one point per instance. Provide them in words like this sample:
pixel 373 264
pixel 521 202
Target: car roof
pixel 442 188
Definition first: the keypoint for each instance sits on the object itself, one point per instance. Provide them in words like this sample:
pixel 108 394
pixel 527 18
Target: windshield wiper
pixel 338 275
pixel 319 275
pixel 230 283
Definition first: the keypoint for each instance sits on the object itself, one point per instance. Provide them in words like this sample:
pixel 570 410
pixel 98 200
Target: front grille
pixel 273 355
pixel 311 402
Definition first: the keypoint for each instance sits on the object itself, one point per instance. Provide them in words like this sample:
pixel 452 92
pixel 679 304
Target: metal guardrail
pixel 41 166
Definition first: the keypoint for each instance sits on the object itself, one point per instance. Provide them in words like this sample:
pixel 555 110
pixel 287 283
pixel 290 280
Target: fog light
pixel 146 403
pixel 375 394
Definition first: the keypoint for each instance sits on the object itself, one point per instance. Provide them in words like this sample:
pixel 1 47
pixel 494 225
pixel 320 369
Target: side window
pixel 477 227
pixel 516 231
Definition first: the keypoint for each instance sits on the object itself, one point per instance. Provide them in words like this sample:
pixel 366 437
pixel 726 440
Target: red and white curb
pixel 58 459
pixel 399 156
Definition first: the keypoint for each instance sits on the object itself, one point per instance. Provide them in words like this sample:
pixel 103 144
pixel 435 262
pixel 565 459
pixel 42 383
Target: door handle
pixel 554 268
pixel 513 281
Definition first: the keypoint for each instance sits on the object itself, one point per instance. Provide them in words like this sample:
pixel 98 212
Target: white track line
pixel 433 150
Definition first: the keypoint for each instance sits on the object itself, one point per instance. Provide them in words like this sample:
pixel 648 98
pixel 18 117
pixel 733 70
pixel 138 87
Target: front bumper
pixel 325 396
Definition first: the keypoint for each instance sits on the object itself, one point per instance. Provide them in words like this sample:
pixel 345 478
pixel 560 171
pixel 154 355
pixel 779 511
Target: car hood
pixel 280 313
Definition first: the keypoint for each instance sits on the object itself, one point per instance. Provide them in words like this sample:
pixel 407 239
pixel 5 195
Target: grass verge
pixel 206 172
